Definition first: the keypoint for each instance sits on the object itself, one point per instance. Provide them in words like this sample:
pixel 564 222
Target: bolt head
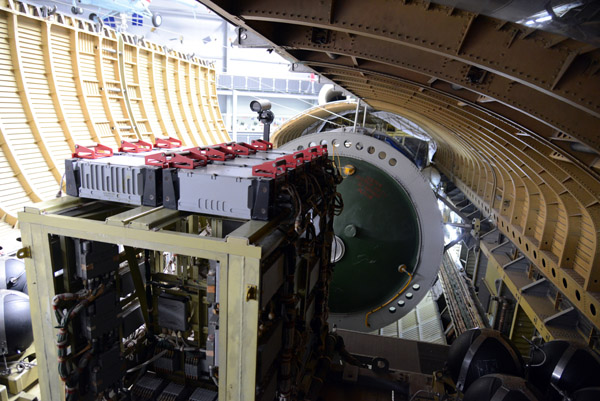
pixel 350 230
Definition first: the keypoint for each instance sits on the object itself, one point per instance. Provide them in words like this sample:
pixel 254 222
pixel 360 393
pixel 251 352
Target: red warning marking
pixel 370 187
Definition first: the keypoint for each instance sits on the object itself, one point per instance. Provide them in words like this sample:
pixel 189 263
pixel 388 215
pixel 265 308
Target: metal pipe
pixel 142 214
pixel 450 206
pixel 365 116
pixel 234 114
pixel 459 225
pixel 356 114
pixel 454 242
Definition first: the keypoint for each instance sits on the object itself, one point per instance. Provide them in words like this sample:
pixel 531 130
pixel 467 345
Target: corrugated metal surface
pixel 421 324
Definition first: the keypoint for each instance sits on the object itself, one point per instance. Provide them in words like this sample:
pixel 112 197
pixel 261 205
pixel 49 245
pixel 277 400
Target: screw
pixel 350 230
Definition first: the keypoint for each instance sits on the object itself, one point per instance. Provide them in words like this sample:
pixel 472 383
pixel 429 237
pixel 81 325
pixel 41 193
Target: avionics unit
pixel 189 302
pixel 229 180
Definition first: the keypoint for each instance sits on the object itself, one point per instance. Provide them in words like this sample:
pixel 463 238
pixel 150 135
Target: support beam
pixel 451 206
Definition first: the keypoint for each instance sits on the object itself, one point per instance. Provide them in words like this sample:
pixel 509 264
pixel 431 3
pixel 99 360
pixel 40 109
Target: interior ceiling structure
pixel 515 110
pixel 577 19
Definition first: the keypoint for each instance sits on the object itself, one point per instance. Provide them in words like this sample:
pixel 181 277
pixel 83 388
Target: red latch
pixel 92 152
pixel 213 153
pixel 313 152
pixel 270 169
pixel 224 149
pixel 240 148
pixel 322 149
pixel 185 160
pixel 200 158
pixel 167 143
pixel 261 144
pixel 135 147
pixel 279 166
pixel 294 160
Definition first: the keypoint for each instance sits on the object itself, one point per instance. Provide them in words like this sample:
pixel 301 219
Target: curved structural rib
pixel 65 82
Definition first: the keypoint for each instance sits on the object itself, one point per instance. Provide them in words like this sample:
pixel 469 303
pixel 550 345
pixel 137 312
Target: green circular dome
pixel 390 218
pixel 379 228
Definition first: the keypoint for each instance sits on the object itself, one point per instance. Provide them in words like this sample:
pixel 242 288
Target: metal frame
pixel 239 256
pixel 344 144
pixel 542 312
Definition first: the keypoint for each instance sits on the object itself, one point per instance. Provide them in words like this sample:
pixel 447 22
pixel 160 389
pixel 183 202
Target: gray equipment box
pixel 224 187
pixel 120 178
pixel 223 194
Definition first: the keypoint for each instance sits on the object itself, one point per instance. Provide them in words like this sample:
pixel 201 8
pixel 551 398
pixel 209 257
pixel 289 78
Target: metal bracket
pixel 301 67
pixel 24 252
pixel 520 263
pixel 566 317
pixel 251 293
pixel 250 39
pixel 539 287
